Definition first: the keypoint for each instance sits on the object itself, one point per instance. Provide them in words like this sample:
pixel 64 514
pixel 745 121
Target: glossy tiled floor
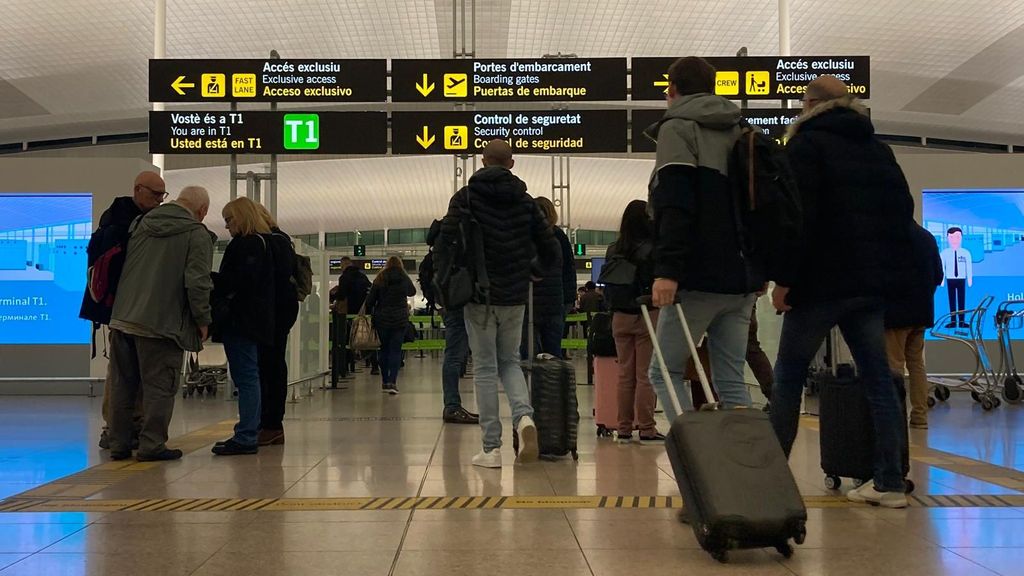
pixel 358 442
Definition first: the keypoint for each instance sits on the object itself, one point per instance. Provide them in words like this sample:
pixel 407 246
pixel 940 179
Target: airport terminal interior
pixel 354 123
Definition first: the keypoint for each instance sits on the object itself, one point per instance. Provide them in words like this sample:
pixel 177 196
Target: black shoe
pixel 375 372
pixel 392 389
pixel 232 448
pixel 657 438
pixel 461 416
pixel 965 325
pixel 118 456
pixel 167 454
pixel 951 325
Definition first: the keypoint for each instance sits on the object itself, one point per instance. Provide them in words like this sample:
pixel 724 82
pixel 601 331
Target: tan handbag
pixel 362 336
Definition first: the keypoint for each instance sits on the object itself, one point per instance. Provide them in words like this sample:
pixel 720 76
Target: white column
pixel 785 45
pixel 159 51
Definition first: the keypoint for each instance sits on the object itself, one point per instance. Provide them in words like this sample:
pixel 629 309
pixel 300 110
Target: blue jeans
pixel 494 338
pixel 390 355
pixel 456 348
pixel 861 321
pixel 726 320
pixel 244 367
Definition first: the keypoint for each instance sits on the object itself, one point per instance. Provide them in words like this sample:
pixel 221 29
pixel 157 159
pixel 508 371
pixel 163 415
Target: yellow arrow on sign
pixel 180 83
pixel 426 87
pixel 660 83
pixel 426 140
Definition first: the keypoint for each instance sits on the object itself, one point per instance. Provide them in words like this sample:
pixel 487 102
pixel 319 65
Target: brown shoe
pixel 271 437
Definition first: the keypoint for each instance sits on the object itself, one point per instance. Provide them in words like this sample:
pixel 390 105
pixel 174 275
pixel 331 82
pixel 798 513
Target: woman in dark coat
pixel 388 304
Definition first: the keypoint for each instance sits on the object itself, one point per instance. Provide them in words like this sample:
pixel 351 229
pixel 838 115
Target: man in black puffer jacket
pixel 854 255
pixel 518 244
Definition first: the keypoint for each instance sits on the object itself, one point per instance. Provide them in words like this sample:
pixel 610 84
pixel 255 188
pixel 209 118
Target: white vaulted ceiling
pixel 940 68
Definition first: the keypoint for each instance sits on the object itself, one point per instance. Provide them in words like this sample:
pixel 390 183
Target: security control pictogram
pixel 213 85
pixel 456 137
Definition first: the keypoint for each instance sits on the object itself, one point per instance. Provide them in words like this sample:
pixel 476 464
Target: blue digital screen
pixel 43 240
pixel 980 234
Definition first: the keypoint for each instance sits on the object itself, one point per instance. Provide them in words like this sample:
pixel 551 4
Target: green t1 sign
pixel 301 131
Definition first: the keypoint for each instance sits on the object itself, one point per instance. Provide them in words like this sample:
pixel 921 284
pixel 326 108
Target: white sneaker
pixel 527 431
pixel 867 494
pixel 486 459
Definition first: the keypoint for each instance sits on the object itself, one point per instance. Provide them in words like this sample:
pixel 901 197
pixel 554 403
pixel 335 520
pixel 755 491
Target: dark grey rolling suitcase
pixel 734 478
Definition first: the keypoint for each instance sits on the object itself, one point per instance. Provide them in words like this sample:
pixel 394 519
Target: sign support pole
pixel 253 179
pixel 462 167
pixel 159 51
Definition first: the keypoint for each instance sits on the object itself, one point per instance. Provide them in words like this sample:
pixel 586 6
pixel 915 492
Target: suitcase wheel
pixel 801 534
pixel 931 402
pixel 908 487
pixel 942 393
pixel 833 482
pixel 785 549
pixel 858 482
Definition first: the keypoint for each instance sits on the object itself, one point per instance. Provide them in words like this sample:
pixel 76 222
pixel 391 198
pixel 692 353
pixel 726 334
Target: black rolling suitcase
pixel 553 397
pixel 734 478
pixel 847 434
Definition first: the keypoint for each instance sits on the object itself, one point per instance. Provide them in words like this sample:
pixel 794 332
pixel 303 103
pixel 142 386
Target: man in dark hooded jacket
pixel 518 246
pixel 148 192
pixel 853 257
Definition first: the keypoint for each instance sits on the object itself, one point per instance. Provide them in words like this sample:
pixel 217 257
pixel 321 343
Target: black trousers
pixel 273 361
pixel 957 289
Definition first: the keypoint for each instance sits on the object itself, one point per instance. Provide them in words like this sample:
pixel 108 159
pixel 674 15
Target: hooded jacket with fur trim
pixel 857 208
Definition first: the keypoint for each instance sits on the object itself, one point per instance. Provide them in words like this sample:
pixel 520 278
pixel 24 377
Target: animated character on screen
pixel 958 272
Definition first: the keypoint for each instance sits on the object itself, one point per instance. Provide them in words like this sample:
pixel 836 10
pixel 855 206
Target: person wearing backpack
pixel 456 342
pixel 853 256
pixel 105 256
pixel 494 241
pixel 628 274
pixel 388 304
pixel 244 316
pixel 273 357
pixel 698 249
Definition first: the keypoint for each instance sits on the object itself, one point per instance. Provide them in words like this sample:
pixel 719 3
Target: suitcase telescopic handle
pixel 645 302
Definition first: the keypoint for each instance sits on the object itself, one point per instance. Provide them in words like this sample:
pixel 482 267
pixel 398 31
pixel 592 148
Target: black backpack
pixel 460 269
pixel 600 339
pixel 768 210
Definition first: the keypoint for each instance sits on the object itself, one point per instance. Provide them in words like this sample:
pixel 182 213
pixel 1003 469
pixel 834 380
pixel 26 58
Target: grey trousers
pixel 150 366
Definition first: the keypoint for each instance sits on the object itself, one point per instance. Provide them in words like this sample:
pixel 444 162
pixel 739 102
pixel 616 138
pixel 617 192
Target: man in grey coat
pixel 162 309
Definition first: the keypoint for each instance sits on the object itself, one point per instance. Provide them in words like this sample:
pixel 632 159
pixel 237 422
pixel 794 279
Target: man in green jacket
pixel 162 309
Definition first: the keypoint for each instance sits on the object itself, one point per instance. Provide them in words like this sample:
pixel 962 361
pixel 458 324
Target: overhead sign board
pixel 529 132
pixel 270 80
pixel 509 80
pixel 772 121
pixel 266 132
pixel 757 77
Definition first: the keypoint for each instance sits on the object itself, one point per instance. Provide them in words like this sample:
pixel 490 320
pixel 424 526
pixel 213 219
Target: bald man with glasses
pixel 148 192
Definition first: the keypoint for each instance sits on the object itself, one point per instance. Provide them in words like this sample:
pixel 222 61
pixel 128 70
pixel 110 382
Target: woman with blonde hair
pixel 388 305
pixel 243 306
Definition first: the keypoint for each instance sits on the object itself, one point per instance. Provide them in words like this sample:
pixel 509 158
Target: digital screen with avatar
pixel 43 238
pixel 981 241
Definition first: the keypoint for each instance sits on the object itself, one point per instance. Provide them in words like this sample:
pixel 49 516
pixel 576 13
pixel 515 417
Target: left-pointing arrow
pixel 426 140
pixel 180 83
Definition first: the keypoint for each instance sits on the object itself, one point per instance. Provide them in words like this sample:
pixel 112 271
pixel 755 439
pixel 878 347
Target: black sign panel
pixel 264 132
pixel 529 132
pixel 772 121
pixel 757 77
pixel 325 80
pixel 509 80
